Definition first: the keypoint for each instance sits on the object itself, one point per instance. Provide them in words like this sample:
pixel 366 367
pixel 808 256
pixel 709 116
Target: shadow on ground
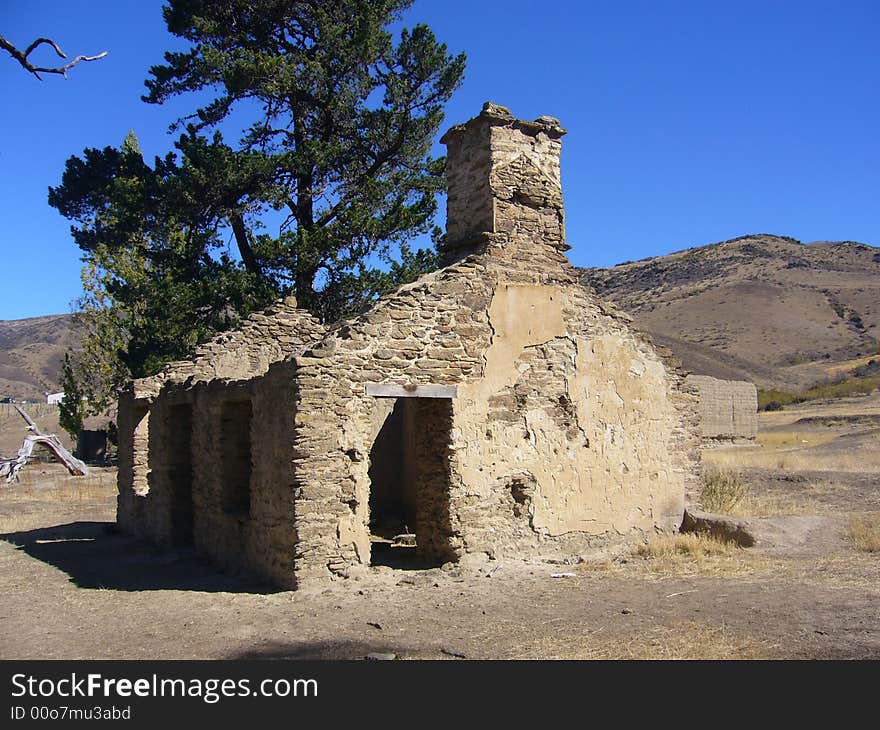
pixel 95 556
pixel 334 649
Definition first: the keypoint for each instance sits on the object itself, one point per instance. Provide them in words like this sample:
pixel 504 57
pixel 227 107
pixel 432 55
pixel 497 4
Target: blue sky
pixel 689 122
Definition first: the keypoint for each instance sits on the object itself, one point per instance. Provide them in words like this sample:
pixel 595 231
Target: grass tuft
pixel 692 545
pixel 723 490
pixel 864 531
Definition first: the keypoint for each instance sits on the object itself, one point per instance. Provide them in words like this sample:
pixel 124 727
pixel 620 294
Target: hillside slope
pixel 31 352
pixel 764 308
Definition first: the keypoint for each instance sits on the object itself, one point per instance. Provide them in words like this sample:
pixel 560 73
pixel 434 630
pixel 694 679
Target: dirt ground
pixel 71 587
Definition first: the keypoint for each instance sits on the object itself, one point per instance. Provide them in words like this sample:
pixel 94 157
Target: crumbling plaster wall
pixel 567 427
pixel 728 408
pixel 591 427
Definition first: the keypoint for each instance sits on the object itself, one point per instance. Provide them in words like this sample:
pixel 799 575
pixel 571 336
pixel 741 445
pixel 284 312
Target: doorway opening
pixel 410 482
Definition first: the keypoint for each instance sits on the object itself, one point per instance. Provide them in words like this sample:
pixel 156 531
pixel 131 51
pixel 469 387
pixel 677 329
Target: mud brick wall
pixel 728 408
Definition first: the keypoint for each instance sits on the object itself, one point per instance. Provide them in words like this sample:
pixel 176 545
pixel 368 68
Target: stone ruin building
pixel 494 406
pixel 728 408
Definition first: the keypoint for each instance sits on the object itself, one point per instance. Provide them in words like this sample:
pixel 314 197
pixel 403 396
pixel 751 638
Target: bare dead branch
pixel 22 57
pixel 48 41
pixel 9 468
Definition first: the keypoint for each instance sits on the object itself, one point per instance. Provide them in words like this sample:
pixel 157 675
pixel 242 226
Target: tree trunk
pixel 244 245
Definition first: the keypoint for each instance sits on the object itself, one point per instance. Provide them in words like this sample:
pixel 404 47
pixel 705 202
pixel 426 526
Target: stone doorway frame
pixel 432 506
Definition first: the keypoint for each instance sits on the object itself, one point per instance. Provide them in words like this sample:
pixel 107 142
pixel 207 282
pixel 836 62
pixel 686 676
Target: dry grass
pixel 76 490
pixel 26 507
pixel 684 641
pixel 844 366
pixel 864 531
pixel 775 505
pixel 681 555
pixel 792 460
pixel 690 545
pixel 794 439
pixel 723 490
pixel 842 568
pixel 691 554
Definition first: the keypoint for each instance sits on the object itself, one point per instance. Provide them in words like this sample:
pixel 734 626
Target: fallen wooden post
pixel 11 467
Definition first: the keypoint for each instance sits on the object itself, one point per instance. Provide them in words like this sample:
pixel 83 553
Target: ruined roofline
pixel 211 360
pixel 495 115
pixel 240 344
pixel 468 266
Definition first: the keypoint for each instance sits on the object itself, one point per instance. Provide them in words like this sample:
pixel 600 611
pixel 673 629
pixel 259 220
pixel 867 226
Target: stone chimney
pixel 504 188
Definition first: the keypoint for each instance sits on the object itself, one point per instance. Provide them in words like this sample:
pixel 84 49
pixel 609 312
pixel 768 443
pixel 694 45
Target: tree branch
pixel 380 159
pixel 22 57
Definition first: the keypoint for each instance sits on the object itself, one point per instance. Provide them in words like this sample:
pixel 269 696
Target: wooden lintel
pixel 383 390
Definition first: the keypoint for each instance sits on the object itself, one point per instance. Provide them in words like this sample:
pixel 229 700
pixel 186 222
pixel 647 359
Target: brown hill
pixel 764 308
pixel 31 352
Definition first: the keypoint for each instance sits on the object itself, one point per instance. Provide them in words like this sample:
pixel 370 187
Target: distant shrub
pixel 778 398
pixel 763 235
pixel 842 388
pixel 795 359
pixel 872 367
pixel 775 400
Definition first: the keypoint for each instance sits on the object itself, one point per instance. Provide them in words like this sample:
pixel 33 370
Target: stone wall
pixel 503 177
pixel 262 339
pixel 728 408
pixel 272 538
pixel 567 428
pixel 534 420
pixel 173 482
pixel 132 463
